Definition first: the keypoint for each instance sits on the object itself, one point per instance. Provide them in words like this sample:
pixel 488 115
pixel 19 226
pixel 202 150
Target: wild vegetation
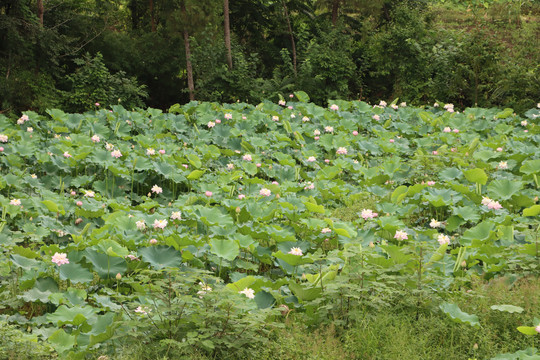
pixel 69 54
pixel 225 231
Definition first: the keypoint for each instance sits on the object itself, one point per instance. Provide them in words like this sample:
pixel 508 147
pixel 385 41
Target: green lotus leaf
pixel 291 259
pixel 530 167
pixel 304 293
pixel 62 341
pixel 226 249
pixel 106 266
pixel 476 176
pixel 75 273
pixel 161 257
pixel 504 189
pixel 455 313
pixel 528 330
pixel 532 211
pixel 508 308
pixel 75 315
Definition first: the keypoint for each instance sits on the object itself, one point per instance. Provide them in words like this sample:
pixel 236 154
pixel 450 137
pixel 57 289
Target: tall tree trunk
pixel 40 11
pixel 227 32
pixel 189 67
pixel 152 19
pixel 335 10
pixel 293 44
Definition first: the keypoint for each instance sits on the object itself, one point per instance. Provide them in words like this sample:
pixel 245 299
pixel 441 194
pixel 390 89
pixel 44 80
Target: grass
pixel 395 333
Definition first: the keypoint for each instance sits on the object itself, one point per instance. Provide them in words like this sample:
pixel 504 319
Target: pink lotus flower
pixel 341 151
pixel 89 193
pixel 524 123
pixel 456 131
pixel 156 189
pixel 538 327
pixel 97 104
pixel 258 165
pixel 79 203
pixel 208 193
pixel 355 132
pixel 435 224
pixel 176 215
pixel 3 138
pixel 453 149
pixel 503 165
pixel 160 224
pixel 247 157
pixel 241 196
pixel 1 148
pixel 140 225
pixel 185 166
pixel 67 155
pixel 218 121
pixel 392 140
pixel 132 257
pixel 116 154
pixel 30 129
pixel 329 129
pixel 368 214
pixel 15 202
pixel 486 200
pixel 447 129
pixel 334 107
pixel 250 293
pixel 326 231
pixel 289 107
pixel 230 166
pixel 434 152
pixel 494 205
pixel 60 259
pixel 382 103
pixel 309 186
pixel 150 152
pixel 327 161
pixel 376 117
pixel 316 132
pixel 431 183
pixel 499 149
pixel 291 96
pixel 275 118
pixel 443 239
pixel 275 183
pixel 153 241
pixel 296 251
pixel 305 119
pixel 228 116
pixel 282 102
pixel 316 138
pixel 211 124
pixel 162 152
pixel 73 193
pixel 95 139
pixel 265 192
pixel 311 159
pixel 401 235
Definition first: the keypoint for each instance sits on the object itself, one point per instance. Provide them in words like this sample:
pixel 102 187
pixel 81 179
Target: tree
pixel 227 32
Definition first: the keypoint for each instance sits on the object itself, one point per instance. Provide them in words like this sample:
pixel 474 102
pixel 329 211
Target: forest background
pixel 72 54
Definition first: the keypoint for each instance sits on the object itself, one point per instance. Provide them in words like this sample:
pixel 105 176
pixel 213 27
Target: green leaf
pixel 194 160
pixel 508 308
pixel 291 259
pixel 504 189
pixel 75 315
pixel 226 249
pixel 455 313
pixel 264 299
pixel 75 273
pixel 399 194
pixel 527 330
pixel 304 293
pixel 61 341
pixel 106 266
pixel 532 211
pixel 54 207
pixel 314 207
pixel 195 174
pixel 530 167
pixel 161 257
pixel 476 176
pixel 302 96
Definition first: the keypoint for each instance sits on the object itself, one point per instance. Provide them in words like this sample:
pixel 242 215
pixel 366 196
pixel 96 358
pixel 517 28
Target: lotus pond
pixel 209 224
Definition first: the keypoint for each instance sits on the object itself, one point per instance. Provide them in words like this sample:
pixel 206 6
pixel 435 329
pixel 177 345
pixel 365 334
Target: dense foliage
pixel 203 228
pixel 71 53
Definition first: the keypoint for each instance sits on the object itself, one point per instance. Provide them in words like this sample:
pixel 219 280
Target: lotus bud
pixel 78 221
pixel 238 210
pixel 475 346
pixel 371 244
pixel 118 276
pixel 285 310
pixel 463 263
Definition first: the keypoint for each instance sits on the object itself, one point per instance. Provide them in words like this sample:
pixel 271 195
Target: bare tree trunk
pixel 152 19
pixel 227 32
pixel 335 10
pixel 40 11
pixel 293 44
pixel 189 67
